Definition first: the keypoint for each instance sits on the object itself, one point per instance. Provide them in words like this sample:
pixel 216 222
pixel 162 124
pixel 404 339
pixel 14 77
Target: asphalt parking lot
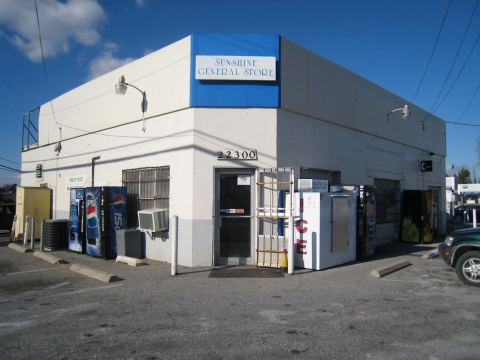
pixel 421 312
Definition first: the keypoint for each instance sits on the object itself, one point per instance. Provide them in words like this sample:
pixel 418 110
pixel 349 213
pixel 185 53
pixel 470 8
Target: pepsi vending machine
pixel 105 212
pixel 367 222
pixel 76 225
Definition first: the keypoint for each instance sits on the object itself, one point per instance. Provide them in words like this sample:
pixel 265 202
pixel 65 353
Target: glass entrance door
pixel 234 225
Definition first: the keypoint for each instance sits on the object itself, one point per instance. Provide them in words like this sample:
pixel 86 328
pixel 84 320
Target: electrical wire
pixel 456 54
pixel 43 59
pixel 462 123
pixel 469 103
pixel 433 51
pixel 459 73
pixel 8 168
pixel 10 161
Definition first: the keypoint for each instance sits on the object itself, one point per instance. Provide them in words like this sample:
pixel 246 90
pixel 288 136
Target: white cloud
pixel 106 61
pixel 60 23
pixel 140 3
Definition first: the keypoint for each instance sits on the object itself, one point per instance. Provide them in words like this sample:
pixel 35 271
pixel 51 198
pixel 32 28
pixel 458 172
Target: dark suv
pixel 461 250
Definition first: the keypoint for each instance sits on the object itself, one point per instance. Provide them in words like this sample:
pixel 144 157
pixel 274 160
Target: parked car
pixel 461 250
pixel 464 212
pixel 7 212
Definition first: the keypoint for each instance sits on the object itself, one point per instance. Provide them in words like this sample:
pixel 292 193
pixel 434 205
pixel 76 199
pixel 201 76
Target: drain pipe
pixel 93 169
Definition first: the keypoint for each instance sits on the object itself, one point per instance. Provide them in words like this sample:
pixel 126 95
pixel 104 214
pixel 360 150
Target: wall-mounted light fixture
pixel 405 110
pixel 121 89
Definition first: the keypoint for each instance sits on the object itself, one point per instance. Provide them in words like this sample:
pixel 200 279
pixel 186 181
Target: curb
pixel 390 269
pixel 129 260
pixel 94 273
pixel 431 254
pixel 19 248
pixel 49 258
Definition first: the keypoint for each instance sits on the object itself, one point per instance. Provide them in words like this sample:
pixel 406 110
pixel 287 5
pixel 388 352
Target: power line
pixel 8 168
pixel 11 161
pixel 43 59
pixel 469 103
pixel 467 107
pixel 462 123
pixel 40 40
pixel 433 51
pixel 457 53
pixel 459 72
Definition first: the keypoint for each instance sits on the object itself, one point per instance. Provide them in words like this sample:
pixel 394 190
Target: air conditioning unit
pixel 153 220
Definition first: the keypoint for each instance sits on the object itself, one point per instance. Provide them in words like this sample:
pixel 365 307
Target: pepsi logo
pixel 118 199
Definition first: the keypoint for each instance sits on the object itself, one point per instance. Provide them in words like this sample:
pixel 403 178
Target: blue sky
pixel 387 42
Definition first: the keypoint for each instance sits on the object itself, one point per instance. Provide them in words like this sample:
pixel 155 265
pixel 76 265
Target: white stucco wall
pixel 167 141
pixel 314 86
pixel 164 75
pixel 219 130
pixel 304 141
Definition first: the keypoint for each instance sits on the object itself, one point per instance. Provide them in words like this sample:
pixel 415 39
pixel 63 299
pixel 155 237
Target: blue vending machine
pixel 105 212
pixel 76 225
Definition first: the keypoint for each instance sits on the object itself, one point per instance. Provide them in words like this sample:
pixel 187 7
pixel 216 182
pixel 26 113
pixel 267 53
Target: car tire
pixel 468 268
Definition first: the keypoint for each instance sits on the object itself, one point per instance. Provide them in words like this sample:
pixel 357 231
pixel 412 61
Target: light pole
pixel 121 89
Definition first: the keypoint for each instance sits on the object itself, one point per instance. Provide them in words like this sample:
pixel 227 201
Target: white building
pixel 261 99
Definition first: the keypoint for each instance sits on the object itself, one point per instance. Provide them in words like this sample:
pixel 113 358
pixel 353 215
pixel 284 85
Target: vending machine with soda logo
pixel 76 225
pixel 105 212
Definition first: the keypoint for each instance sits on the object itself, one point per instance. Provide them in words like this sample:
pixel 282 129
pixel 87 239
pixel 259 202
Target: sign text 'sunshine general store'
pixel 255 68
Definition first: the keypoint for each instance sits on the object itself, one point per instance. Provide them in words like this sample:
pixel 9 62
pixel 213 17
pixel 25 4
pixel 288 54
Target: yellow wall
pixel 32 201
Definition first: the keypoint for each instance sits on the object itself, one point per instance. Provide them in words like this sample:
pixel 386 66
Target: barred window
pixel 147 188
pixel 388 200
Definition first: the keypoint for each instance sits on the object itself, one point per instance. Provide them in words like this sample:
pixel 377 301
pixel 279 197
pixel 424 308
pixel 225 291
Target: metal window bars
pixel 147 188
pixel 272 212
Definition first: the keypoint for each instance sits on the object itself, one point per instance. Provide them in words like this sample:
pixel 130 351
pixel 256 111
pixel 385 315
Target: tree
pixel 464 176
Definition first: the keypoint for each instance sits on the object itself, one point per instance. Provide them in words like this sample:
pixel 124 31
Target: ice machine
pixel 325 229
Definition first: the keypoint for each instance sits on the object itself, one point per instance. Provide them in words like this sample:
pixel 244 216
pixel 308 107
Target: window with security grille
pixel 333 176
pixel 147 188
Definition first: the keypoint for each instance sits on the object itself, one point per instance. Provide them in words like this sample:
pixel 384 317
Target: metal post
pixel 41 234
pixel 12 232
pixel 25 231
pixel 174 244
pixel 474 216
pixel 32 232
pixel 291 257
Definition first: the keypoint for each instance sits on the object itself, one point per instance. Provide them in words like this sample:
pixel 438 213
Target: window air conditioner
pixel 153 220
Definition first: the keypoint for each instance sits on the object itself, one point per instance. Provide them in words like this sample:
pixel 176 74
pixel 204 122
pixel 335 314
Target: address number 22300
pixel 237 155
